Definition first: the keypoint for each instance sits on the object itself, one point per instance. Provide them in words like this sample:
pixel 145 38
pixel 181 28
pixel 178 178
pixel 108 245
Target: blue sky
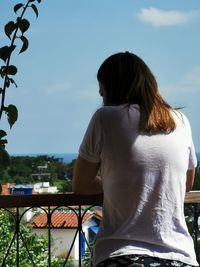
pixel 57 89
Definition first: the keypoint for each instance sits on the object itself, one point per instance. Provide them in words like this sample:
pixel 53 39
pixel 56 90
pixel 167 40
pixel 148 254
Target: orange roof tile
pixel 5 188
pixel 59 220
pixel 99 213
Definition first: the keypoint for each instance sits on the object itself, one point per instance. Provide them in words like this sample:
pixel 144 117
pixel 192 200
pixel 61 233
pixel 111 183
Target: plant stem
pixel 8 62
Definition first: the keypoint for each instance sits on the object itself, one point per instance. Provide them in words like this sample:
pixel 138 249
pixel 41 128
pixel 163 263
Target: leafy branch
pixel 14 30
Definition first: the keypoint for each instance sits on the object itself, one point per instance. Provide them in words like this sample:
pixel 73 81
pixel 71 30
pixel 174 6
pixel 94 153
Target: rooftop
pixel 59 220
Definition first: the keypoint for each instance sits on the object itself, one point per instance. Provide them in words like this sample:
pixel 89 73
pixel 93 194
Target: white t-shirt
pixel 144 185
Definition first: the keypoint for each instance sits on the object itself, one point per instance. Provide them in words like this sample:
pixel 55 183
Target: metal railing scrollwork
pixel 16 250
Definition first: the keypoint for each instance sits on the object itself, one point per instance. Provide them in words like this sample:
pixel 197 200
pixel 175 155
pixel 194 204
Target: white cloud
pixel 57 88
pixel 88 94
pixel 89 91
pixel 192 79
pixel 69 91
pixel 189 83
pixel 159 18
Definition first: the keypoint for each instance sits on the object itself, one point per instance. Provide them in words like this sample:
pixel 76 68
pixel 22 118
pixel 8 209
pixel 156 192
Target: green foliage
pixel 37 245
pixel 87 262
pixel 13 30
pixel 189 215
pixel 4 157
pixel 22 169
pixel 197 178
pixel 70 169
pixel 63 185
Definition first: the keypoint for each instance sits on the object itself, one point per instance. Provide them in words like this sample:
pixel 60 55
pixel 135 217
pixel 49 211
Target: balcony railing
pixel 17 206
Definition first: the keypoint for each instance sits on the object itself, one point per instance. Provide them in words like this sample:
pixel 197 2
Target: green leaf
pixel 17 7
pixel 10 70
pixel 23 24
pixel 2 72
pixel 35 9
pixel 25 44
pixel 6 51
pixel 2 133
pixel 12 81
pixel 4 157
pixel 3 142
pixel 12 114
pixel 9 28
pixel 7 82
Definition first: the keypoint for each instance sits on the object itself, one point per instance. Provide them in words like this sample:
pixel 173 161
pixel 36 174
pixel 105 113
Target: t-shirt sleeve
pixel 192 161
pixel 91 146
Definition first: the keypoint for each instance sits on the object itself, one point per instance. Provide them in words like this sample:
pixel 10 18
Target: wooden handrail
pixel 68 199
pixel 41 200
pixel 192 197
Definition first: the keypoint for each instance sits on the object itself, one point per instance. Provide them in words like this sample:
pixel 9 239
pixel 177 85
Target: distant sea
pixel 68 157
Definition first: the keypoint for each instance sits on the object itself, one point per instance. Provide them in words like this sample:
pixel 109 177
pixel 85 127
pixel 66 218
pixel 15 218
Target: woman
pixel 145 153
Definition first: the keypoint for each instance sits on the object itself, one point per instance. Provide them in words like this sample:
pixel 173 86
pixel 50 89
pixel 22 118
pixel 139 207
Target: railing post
pixel 49 236
pixel 17 237
pixel 196 228
pixel 79 234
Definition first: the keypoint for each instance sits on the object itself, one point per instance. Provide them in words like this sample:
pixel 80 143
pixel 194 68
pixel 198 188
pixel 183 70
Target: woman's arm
pixel 190 179
pixel 85 180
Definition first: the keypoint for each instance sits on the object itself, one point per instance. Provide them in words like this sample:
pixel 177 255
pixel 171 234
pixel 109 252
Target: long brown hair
pixel 126 79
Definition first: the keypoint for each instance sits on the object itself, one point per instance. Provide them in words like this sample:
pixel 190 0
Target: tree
pixel 70 169
pixel 24 170
pixel 63 186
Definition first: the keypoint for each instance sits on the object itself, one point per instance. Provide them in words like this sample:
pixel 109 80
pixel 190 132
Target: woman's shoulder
pixel 117 114
pixel 107 110
pixel 117 108
pixel 180 117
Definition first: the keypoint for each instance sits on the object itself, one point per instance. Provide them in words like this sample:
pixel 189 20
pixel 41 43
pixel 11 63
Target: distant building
pixel 64 225
pixel 44 188
pixel 41 176
pixel 5 188
pixel 21 189
pixel 42 173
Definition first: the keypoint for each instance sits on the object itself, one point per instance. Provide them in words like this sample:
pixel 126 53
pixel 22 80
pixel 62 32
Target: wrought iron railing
pixel 17 206
pixel 192 204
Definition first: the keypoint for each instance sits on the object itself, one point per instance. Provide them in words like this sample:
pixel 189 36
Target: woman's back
pixel 144 184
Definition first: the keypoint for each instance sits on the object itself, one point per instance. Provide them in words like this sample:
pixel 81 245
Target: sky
pixel 57 88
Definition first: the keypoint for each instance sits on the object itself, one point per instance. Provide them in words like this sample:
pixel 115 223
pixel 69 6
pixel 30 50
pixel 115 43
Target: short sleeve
pixel 192 163
pixel 91 146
